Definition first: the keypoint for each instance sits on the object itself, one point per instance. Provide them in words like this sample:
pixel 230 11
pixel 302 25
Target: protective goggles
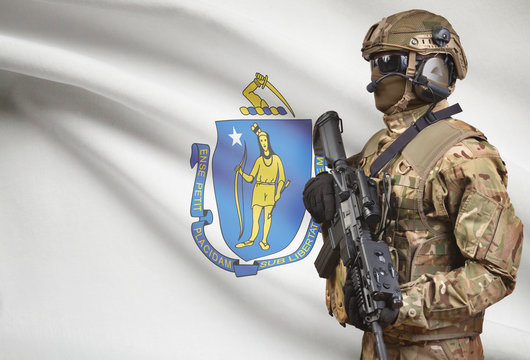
pixel 388 63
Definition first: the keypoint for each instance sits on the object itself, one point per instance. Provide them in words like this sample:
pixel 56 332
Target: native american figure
pixel 270 182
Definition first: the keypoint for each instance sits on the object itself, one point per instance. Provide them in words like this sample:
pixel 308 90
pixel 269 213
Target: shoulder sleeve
pixel 486 227
pixel 470 187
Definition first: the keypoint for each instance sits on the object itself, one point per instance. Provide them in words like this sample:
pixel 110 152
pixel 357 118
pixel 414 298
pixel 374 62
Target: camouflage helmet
pixel 413 31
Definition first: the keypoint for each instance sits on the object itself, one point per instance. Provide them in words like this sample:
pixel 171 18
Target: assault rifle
pixel 375 280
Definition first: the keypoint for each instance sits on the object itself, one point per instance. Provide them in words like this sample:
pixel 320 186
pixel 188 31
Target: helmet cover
pixel 413 31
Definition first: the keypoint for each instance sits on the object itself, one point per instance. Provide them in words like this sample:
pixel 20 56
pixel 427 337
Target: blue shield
pixel 260 207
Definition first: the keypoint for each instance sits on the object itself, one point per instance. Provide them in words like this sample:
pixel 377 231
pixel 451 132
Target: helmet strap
pixel 452 87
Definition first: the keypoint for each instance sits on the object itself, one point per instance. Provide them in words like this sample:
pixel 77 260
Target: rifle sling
pixel 402 141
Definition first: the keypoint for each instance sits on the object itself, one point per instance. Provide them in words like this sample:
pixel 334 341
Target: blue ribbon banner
pixel 200 156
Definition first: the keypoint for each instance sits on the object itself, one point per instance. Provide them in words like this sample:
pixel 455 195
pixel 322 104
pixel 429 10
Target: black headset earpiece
pixel 432 80
pixel 435 74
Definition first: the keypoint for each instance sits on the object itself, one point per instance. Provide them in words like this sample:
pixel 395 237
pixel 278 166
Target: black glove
pixel 319 197
pixel 356 315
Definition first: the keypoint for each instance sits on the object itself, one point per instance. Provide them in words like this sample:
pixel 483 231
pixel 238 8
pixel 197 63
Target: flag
pixel 123 127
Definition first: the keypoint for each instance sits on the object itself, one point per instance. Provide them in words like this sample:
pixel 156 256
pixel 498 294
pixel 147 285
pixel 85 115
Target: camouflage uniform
pixel 456 243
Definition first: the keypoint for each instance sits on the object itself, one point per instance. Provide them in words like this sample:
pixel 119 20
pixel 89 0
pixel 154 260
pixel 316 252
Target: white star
pixel 235 137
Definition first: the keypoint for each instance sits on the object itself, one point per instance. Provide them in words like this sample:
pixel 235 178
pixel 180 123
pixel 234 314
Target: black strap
pixel 402 141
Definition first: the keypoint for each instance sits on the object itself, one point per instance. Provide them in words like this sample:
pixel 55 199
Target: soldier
pixel 450 225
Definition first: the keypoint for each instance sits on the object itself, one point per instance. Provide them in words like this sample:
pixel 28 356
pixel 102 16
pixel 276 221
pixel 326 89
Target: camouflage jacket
pixel 456 240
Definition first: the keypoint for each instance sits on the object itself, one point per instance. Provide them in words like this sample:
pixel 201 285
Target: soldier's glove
pixel 356 315
pixel 354 312
pixel 319 197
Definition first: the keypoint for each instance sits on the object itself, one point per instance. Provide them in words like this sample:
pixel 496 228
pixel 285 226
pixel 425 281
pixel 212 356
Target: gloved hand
pixel 319 197
pixel 356 315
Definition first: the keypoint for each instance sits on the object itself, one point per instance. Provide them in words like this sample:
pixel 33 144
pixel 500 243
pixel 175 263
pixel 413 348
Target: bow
pixel 236 193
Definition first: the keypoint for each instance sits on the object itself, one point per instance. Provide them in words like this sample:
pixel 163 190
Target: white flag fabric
pixel 104 107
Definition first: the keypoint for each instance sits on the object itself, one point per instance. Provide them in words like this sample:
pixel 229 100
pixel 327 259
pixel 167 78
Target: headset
pixel 434 74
